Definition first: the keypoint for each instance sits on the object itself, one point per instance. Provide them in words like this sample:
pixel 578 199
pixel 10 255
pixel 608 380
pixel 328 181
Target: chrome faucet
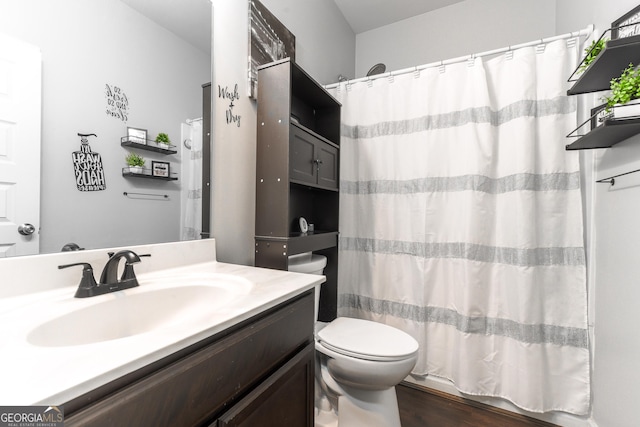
pixel 109 281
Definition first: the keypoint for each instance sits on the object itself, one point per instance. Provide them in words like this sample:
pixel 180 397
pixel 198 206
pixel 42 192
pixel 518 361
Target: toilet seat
pixel 367 340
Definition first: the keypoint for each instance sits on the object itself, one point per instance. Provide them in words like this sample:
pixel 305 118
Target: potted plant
pixel 135 162
pixel 591 53
pixel 624 100
pixel 163 140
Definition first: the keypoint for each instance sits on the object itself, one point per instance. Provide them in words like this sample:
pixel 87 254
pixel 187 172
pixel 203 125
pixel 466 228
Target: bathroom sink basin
pixel 163 303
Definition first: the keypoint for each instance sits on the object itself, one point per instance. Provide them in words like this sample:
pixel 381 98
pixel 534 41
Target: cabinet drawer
pixel 196 388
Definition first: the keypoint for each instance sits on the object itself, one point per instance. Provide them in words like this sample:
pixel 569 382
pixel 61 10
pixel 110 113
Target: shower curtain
pixel 461 223
pixel 192 186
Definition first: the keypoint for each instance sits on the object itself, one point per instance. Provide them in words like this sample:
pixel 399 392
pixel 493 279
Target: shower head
pixel 377 69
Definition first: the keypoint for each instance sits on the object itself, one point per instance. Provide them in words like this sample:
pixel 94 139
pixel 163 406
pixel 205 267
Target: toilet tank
pixel 309 263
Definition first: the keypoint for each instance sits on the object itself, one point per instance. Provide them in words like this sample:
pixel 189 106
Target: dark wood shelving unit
pixel 610 63
pixel 125 142
pixel 297 172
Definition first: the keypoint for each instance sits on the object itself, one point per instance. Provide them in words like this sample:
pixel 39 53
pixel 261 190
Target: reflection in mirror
pixel 108 65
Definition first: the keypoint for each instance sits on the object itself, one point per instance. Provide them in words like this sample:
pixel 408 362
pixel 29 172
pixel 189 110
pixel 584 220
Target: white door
pixel 20 104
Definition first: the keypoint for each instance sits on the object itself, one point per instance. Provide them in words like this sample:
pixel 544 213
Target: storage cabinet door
pixel 302 155
pixel 283 399
pixel 329 166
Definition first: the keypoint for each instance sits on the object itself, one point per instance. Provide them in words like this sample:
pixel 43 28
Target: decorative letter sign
pixel 226 93
pixel 117 102
pixel 87 166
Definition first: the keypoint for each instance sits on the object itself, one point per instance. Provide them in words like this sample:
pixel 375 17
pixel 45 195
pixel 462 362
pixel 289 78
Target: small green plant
pixel 624 88
pixel 163 138
pixel 591 53
pixel 134 160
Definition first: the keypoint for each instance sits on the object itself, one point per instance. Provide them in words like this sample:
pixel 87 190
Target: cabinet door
pixel 302 156
pixel 329 165
pixel 283 399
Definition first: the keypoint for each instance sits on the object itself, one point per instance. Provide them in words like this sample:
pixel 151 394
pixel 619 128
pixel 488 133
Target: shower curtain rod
pixel 189 121
pixel 586 32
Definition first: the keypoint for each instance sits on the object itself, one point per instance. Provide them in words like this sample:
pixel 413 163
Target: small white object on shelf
pixel 304 227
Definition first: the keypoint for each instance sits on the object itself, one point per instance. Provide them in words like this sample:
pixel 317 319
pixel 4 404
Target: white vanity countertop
pixel 54 375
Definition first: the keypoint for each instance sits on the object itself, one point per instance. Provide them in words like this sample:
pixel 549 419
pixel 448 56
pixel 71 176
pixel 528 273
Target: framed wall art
pixel 137 135
pixel 269 40
pixel 160 169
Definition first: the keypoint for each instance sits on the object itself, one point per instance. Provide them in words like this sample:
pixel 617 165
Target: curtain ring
pixel 509 54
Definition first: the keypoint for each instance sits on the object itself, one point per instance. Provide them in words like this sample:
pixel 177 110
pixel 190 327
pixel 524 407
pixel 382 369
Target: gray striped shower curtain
pixel 461 223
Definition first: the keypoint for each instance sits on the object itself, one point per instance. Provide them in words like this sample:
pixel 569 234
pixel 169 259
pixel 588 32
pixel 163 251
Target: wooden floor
pixel 422 408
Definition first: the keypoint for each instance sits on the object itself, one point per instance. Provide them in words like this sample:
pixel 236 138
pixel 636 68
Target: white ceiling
pixel 365 15
pixel 191 19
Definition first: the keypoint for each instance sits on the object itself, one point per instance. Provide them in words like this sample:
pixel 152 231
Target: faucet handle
pixel 128 273
pixel 88 284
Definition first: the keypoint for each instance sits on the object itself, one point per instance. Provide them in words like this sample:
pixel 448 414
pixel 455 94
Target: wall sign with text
pixel 117 102
pixel 230 95
pixel 87 166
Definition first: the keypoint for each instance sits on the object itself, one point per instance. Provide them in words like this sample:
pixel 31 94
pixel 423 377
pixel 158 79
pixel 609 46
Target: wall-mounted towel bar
pixel 166 196
pixel 612 179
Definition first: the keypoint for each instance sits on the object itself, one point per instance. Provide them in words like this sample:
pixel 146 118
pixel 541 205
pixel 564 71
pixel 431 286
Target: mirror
pixel 108 66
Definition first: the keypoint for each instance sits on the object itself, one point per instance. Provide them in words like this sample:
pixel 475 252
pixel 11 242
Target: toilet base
pixel 325 418
pixel 377 408
pixel 355 407
pixel 369 408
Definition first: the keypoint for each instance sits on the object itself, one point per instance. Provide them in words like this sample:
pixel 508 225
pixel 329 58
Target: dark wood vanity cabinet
pixel 297 172
pixel 259 373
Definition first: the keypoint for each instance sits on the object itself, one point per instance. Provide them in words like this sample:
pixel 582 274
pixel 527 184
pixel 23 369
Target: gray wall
pixel 325 48
pixel 463 28
pixel 86 45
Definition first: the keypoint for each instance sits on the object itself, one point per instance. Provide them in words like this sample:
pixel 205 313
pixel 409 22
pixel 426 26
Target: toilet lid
pixel 367 340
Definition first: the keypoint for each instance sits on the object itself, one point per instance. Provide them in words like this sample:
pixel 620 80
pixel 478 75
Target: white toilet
pixel 358 364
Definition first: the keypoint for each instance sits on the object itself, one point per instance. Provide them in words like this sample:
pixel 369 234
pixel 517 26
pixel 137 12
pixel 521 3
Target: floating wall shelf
pixel 147 174
pixel 608 134
pixel 149 146
pixel 610 63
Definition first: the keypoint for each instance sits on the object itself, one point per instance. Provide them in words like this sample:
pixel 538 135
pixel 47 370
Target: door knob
pixel 26 229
